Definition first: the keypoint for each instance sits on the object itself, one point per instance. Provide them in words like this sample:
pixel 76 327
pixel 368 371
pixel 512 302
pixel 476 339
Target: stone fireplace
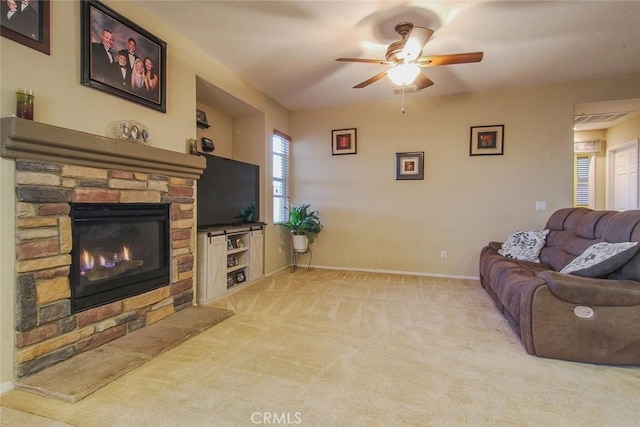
pixel 62 174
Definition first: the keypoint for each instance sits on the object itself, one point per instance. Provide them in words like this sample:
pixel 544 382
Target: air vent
pixel 584 119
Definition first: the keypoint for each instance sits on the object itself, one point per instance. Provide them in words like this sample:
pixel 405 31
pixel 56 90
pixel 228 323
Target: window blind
pixel 582 181
pixel 280 167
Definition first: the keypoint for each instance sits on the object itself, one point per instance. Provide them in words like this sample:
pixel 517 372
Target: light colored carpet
pixel 334 348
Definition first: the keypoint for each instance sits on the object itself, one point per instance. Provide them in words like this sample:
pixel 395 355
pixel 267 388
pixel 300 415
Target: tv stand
pixel 228 257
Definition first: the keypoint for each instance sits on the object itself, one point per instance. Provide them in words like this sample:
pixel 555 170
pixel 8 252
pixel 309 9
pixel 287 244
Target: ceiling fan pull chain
pixel 402 100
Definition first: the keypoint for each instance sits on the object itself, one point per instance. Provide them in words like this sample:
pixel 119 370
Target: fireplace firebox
pixel 119 250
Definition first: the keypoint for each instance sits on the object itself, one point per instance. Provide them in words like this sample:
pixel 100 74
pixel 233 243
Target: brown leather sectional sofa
pixel 564 316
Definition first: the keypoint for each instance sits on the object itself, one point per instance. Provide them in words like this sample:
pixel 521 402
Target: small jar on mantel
pixel 193 146
pixel 24 104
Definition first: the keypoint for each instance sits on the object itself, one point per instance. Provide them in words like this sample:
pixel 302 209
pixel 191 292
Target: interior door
pixel 623 177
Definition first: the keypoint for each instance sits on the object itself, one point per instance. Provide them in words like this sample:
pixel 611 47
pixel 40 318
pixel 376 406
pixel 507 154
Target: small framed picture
pixel 343 142
pixel 410 165
pixel 240 277
pixel 207 145
pixel 487 141
pixel 27 23
pixel 239 243
pixel 201 119
pixel 231 280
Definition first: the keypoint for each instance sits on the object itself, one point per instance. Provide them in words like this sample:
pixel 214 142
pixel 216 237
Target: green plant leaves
pixel 303 221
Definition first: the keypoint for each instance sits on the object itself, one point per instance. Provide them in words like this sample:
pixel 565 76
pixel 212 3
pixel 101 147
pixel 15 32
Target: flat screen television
pixel 225 187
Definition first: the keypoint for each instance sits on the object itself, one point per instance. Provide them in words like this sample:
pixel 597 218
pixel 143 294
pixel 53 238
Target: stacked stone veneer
pixel 46 330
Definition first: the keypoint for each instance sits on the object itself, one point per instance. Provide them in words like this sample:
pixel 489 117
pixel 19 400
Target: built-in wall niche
pixel 222 111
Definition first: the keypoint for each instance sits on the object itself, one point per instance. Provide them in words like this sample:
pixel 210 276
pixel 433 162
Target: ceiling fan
pixel 404 58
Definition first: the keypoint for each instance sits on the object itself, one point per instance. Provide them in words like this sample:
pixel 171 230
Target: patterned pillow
pixel 524 245
pixel 602 258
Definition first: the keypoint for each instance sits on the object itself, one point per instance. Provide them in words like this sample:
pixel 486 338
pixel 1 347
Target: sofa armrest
pixel 588 291
pixel 495 245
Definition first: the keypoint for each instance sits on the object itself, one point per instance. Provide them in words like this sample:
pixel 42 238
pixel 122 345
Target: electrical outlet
pixel 443 254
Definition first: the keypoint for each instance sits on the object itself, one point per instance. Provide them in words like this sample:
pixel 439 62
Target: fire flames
pixel 104 261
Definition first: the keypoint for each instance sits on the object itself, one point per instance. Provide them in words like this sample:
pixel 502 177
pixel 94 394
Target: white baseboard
pixel 6 386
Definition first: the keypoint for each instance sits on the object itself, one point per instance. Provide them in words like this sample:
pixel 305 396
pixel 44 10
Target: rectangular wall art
pixel 410 165
pixel 27 23
pixel 343 141
pixel 487 141
pixel 121 58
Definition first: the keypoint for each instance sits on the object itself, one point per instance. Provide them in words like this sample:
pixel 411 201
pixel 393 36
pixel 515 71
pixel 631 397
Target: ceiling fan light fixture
pixel 404 74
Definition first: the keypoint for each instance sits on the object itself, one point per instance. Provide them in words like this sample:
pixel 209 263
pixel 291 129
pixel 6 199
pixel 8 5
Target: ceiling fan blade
pixel 371 80
pixel 456 58
pixel 416 40
pixel 422 82
pixel 367 61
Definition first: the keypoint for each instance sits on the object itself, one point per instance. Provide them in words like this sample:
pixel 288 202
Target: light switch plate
pixel 541 206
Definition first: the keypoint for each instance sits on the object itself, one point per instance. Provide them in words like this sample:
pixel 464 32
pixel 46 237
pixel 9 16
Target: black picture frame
pixel 344 141
pixel 410 165
pixel 207 144
pixel 99 23
pixel 486 140
pixel 201 119
pixel 31 29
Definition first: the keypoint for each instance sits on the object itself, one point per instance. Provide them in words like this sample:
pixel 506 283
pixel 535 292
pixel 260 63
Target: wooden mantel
pixel 29 140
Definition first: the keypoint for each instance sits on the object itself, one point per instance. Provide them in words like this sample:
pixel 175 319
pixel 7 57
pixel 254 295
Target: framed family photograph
pixel 487 140
pixel 343 142
pixel 410 165
pixel 27 22
pixel 121 58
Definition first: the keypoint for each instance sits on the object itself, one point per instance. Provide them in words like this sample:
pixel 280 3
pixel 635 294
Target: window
pixel 280 167
pixel 582 195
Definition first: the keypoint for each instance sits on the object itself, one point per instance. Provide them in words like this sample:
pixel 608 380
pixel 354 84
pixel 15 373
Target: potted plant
pixel 248 214
pixel 304 224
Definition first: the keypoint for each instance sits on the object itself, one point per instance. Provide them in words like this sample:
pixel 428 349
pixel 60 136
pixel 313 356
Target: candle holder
pixel 24 104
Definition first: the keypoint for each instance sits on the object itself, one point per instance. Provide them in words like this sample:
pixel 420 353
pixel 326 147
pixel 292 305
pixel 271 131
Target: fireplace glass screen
pixel 119 250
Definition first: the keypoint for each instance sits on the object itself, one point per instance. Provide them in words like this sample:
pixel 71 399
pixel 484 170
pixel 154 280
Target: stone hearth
pixel 55 167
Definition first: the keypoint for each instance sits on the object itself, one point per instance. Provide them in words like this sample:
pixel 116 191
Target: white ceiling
pixel 287 49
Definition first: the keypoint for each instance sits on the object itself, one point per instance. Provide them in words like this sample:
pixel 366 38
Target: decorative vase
pixel 300 243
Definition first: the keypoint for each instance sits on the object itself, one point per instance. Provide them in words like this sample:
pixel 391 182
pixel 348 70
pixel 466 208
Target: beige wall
pixel 220 132
pixel 61 100
pixel 371 221
pixel 623 132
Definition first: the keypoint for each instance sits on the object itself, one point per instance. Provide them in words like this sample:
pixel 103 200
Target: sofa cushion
pixel 601 259
pixel 524 245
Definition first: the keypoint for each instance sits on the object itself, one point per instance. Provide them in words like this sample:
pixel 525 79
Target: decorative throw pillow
pixel 602 258
pixel 524 245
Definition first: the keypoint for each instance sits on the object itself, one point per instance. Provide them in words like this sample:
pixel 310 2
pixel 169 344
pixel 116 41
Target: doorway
pixel 612 179
pixel 622 176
